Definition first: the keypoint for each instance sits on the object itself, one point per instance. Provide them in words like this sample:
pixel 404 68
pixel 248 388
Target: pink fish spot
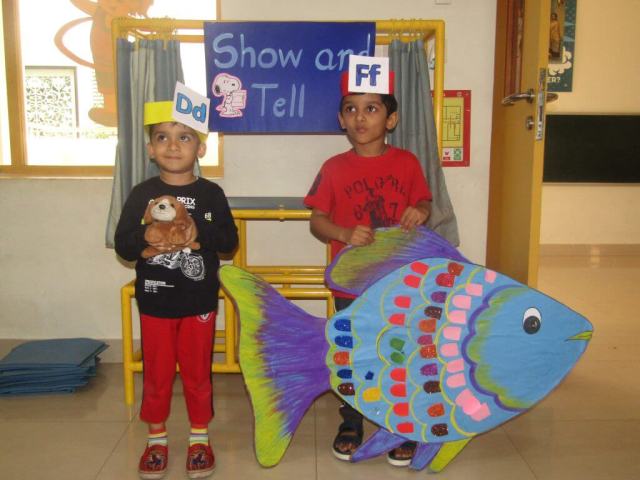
pixel 399 390
pixel 458 316
pixel 456 381
pixel 402 301
pixel 398 374
pixel 401 409
pixel 462 301
pixel 466 399
pixel 425 340
pixel 474 289
pixel 412 281
pixel 397 319
pixel 427 325
pixel 455 366
pixel 490 276
pixel 455 268
pixel 471 406
pixel 449 350
pixel 451 333
pixel 482 413
pixel 445 280
pixel 420 268
pixel 406 427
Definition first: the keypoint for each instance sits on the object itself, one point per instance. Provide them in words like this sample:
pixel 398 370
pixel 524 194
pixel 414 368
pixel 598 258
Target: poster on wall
pixel 562 41
pixel 456 128
pixel 280 77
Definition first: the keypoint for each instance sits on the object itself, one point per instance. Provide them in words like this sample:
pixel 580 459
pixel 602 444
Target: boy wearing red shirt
pixel 372 185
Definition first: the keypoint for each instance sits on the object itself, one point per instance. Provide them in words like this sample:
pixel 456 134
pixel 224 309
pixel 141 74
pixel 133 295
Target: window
pixel 58 115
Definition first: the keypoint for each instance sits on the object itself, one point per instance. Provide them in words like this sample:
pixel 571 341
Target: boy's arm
pixel 414 216
pixel 221 235
pixel 129 236
pixel 324 229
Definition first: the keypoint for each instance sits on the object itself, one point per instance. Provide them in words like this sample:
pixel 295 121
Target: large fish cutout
pixel 434 349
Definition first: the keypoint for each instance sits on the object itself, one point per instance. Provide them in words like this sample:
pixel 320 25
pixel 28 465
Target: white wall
pixel 58 280
pixel 605 80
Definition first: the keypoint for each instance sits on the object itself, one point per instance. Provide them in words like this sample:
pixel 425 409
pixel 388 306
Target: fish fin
pixel 282 356
pixel 354 269
pixel 425 452
pixel 380 442
pixel 447 453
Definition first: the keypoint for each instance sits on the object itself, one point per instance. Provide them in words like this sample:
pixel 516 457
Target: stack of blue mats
pixel 49 366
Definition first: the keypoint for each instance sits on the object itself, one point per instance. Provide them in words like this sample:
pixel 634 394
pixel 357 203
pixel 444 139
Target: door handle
pixel 516 97
pixel 528 96
pixel 552 97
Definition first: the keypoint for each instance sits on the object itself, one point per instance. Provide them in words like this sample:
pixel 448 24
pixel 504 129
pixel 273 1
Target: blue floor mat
pixel 43 366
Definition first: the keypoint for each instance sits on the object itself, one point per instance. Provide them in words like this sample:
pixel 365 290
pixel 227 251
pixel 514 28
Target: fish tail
pixel 282 356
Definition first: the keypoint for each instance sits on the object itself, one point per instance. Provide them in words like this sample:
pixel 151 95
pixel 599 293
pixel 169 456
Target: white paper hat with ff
pixel 367 75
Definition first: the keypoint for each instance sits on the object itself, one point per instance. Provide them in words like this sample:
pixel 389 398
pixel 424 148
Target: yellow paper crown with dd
pixel 160 112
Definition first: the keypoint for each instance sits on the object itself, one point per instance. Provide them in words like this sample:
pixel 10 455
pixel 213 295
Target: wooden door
pixel 517 143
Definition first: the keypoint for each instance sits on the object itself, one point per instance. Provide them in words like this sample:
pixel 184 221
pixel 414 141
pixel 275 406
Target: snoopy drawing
pixel 234 99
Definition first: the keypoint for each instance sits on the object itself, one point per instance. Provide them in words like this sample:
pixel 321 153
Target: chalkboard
pixel 592 148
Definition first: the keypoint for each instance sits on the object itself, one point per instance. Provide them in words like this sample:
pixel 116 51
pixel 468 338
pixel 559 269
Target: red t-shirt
pixel 372 191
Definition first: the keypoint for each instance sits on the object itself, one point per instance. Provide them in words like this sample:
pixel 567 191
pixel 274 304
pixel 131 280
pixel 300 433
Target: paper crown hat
pixel 160 112
pixel 344 83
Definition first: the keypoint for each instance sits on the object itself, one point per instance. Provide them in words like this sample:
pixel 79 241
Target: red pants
pixel 187 341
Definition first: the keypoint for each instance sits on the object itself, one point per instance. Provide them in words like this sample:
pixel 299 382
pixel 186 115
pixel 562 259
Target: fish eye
pixel 531 321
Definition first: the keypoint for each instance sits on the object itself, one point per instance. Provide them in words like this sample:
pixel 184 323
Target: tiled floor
pixel 588 429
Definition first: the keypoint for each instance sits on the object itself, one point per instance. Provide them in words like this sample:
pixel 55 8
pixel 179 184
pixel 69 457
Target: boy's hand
pixel 359 235
pixel 414 216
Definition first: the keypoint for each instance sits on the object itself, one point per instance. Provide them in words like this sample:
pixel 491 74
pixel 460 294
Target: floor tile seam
pixel 573 422
pixel 113 450
pixel 594 420
pixel 51 421
pixel 529 466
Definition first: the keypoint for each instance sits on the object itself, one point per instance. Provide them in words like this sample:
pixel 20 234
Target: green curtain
pixel 147 72
pixel 416 130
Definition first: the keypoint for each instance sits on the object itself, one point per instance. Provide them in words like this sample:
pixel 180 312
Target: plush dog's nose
pixel 162 206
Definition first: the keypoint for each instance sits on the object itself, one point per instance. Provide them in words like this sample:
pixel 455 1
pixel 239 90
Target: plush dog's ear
pixel 181 211
pixel 147 213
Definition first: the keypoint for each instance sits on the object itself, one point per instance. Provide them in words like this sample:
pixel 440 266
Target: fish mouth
pixel 582 336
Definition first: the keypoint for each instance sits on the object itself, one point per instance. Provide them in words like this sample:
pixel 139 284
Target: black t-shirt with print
pixel 178 284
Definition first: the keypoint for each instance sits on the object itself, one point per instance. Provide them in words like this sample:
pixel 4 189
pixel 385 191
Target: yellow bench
pixel 309 281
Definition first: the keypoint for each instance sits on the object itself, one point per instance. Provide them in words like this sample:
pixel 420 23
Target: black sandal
pixel 396 461
pixel 348 434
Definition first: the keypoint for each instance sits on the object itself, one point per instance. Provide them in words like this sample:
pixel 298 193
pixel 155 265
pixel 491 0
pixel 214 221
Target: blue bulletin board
pixel 279 77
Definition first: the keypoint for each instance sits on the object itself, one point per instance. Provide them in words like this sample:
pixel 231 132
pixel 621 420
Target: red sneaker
pixel 153 463
pixel 200 461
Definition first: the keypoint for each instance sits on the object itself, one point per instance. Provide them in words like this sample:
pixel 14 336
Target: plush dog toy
pixel 170 228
